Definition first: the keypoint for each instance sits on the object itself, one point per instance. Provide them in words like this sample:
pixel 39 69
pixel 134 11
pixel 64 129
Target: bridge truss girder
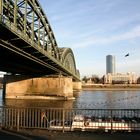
pixel 31 34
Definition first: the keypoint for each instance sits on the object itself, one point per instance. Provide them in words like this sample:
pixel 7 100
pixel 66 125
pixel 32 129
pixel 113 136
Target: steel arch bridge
pixel 28 44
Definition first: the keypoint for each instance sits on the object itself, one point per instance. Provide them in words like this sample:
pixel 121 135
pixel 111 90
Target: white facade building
pixel 129 78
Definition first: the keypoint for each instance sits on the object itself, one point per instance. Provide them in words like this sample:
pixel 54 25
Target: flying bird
pixel 127 55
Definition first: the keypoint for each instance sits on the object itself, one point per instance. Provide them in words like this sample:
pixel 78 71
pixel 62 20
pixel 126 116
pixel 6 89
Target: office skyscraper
pixel 110 64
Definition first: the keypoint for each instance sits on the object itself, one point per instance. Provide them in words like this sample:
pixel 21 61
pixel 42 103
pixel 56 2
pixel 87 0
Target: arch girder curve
pixel 29 17
pixel 68 60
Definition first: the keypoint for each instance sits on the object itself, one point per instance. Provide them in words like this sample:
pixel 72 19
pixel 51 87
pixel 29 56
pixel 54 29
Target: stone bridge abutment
pixel 60 87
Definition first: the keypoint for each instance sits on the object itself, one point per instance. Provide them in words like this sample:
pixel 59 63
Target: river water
pixel 85 100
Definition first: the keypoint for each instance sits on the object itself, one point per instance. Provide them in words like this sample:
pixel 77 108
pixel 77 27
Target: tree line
pixel 97 80
pixel 94 79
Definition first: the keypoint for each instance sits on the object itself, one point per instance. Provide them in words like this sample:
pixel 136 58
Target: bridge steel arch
pixel 68 60
pixel 25 31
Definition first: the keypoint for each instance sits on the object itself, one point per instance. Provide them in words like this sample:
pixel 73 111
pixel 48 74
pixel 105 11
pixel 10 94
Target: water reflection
pixel 39 103
pixel 108 100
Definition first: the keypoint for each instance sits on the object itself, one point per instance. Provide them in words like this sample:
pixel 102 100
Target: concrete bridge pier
pixel 77 86
pixel 40 88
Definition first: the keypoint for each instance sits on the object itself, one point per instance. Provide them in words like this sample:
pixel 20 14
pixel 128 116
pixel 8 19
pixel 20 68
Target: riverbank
pixel 111 87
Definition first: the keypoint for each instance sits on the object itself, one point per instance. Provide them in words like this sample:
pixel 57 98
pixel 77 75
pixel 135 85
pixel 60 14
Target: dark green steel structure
pixel 27 42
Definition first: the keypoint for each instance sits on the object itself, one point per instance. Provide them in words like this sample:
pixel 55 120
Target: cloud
pixel 96 40
pixel 87 23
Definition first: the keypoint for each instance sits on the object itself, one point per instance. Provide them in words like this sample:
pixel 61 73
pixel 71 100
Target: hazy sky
pixel 96 28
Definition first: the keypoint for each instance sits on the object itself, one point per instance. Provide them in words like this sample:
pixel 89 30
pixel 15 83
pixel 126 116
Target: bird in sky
pixel 127 55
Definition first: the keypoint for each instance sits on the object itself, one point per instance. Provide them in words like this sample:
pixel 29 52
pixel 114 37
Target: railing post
pixel 2 117
pixel 1 9
pixel 63 120
pixel 111 121
pixel 18 120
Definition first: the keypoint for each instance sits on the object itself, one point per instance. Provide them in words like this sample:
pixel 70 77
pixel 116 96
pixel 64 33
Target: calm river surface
pixel 85 100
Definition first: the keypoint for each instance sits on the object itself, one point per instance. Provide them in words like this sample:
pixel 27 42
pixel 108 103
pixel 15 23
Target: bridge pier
pixel 40 88
pixel 77 86
pixel 1 9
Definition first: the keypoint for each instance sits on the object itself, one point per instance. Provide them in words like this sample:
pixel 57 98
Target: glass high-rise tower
pixel 110 64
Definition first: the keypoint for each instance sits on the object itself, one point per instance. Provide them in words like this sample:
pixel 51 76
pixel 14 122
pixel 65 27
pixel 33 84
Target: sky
pixel 96 28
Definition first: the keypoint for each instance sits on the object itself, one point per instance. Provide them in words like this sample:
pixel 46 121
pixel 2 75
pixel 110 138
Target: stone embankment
pixel 111 87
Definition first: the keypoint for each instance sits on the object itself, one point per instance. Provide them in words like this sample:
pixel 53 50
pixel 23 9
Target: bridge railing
pixel 70 119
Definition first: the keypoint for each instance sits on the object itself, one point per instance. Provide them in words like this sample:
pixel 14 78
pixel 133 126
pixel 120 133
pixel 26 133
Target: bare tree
pixel 85 79
pixel 95 79
pixel 138 80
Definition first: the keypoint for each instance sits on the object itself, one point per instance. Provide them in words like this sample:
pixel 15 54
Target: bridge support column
pixel 41 88
pixel 1 1
pixel 77 86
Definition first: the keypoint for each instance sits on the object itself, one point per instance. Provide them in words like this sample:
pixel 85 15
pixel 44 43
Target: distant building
pixel 129 78
pixel 90 81
pixel 110 64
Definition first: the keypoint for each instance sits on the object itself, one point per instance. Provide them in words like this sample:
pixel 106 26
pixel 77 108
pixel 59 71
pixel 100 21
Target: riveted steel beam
pixel 25 17
pixel 15 13
pixel 1 9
